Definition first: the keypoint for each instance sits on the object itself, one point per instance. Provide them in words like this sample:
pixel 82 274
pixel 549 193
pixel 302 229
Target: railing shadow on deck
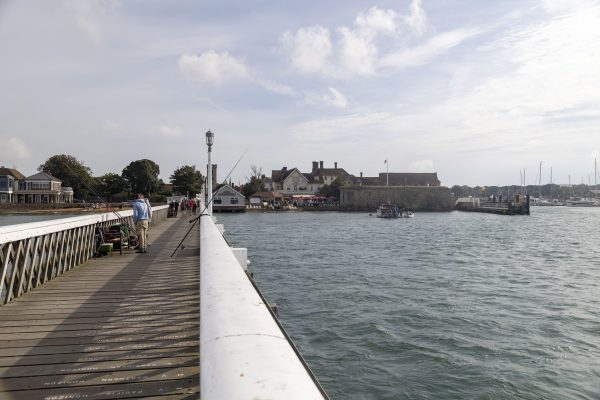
pixel 106 362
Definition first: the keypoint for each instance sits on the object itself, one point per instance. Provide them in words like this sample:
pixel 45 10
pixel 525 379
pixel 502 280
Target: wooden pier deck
pixel 121 326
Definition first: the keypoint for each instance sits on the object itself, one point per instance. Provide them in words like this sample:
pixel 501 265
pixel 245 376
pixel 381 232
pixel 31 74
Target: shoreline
pixel 51 211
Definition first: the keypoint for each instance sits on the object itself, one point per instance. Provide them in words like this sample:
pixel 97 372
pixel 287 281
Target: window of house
pixel 234 200
pixel 288 188
pixel 3 183
pixel 217 200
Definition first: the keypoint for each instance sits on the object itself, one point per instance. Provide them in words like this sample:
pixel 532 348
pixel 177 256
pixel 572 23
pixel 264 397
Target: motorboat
pixel 388 211
pixel 407 214
pixel 581 202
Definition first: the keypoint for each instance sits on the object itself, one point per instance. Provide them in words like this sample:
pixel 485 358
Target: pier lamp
pixel 210 139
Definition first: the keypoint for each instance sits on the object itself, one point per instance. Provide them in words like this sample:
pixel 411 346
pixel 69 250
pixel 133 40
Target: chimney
pixel 284 170
pixel 315 166
pixel 335 165
pixel 321 164
pixel 361 175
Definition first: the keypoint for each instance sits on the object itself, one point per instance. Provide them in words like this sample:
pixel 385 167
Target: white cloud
pixel 309 49
pixel 332 99
pixel 212 67
pixel 561 6
pixel 377 20
pixel 276 87
pixel 355 126
pixel 87 15
pixel 13 150
pixel 356 53
pixel 170 131
pixel 416 20
pixel 425 53
pixel 421 166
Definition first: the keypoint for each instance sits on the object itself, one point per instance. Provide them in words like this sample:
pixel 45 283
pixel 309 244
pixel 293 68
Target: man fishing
pixel 142 214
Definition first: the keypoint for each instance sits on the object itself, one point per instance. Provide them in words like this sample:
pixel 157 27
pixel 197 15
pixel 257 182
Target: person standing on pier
pixel 141 216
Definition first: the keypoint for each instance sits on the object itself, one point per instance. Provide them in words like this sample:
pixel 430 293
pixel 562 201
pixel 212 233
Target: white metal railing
pixel 34 253
pixel 246 354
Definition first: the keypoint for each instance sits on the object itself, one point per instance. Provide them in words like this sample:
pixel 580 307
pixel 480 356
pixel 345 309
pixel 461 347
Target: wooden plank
pixel 114 365
pixel 88 348
pixel 82 330
pixel 187 388
pixel 28 321
pixel 64 358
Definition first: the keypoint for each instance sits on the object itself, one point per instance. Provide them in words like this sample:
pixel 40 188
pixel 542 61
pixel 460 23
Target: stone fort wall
pixel 416 198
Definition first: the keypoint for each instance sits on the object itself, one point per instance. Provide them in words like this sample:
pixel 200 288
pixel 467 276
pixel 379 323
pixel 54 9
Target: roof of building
pixel 12 172
pixel 367 180
pixel 226 190
pixel 42 176
pixel 409 178
pixel 268 195
pixel 331 172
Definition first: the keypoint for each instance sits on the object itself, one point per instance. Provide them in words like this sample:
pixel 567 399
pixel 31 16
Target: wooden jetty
pixel 519 205
pixel 120 326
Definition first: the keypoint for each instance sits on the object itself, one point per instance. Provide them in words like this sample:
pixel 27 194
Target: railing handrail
pixel 11 233
pixel 245 354
pixel 33 253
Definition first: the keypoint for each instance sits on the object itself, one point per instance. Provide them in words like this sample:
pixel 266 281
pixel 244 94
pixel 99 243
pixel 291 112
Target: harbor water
pixel 13 219
pixel 442 306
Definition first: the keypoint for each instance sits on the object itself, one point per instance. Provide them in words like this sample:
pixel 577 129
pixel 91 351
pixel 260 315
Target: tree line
pixel 548 191
pixel 140 176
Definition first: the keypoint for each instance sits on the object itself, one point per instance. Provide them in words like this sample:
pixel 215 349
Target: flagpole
pixel 387 173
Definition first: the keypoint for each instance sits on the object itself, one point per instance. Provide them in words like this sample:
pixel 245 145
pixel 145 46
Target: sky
pixel 477 91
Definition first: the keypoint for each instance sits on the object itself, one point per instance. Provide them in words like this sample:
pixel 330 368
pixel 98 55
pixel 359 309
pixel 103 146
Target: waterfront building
pixel 9 178
pixel 293 182
pixel 40 188
pixel 227 199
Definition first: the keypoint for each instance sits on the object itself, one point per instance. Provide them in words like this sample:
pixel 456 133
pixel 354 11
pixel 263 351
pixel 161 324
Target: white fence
pixel 245 352
pixel 34 253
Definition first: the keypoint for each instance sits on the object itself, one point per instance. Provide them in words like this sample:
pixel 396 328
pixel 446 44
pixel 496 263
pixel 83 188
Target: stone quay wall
pixel 416 198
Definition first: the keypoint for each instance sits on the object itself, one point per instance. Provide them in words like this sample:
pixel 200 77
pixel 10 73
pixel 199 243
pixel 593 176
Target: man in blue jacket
pixel 142 213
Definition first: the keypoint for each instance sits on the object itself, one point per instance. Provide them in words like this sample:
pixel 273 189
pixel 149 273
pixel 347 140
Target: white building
pixel 227 199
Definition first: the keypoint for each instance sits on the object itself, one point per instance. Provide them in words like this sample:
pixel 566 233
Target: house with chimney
pixel 294 182
pixel 40 188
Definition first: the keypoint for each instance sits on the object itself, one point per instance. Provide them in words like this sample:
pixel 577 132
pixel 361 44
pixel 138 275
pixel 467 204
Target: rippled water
pixel 13 219
pixel 442 306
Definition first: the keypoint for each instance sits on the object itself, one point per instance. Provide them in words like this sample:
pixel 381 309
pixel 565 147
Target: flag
pixel 385 161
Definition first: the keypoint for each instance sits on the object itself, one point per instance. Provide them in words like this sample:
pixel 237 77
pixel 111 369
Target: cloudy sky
pixel 473 90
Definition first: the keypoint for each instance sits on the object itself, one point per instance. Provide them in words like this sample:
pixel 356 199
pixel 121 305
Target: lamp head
pixel 210 138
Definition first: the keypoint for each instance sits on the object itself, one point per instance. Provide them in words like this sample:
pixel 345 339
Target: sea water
pixel 442 306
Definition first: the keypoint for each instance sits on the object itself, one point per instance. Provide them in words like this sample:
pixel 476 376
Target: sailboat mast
pixel 551 198
pixel 540 179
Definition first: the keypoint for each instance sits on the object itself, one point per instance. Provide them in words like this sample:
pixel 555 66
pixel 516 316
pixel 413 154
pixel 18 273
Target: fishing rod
pixel 193 221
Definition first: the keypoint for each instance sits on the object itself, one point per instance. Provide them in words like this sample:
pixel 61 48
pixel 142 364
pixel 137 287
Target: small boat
pixel 581 202
pixel 389 211
pixel 407 214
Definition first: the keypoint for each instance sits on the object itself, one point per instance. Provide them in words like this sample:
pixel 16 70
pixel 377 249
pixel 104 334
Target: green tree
pixel 72 172
pixel 110 185
pixel 255 183
pixel 186 180
pixel 334 188
pixel 142 176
